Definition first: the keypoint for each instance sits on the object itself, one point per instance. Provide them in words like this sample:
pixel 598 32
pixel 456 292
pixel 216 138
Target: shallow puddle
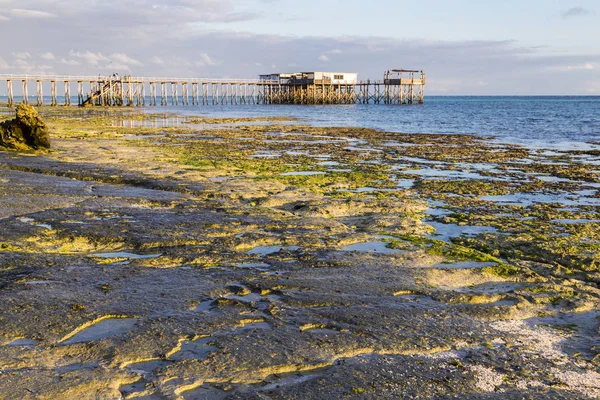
pixel 375 247
pixel 303 173
pixel 447 174
pixel 265 250
pixel 492 287
pixel 405 183
pixel 45 226
pixel 505 303
pixel 527 199
pixel 204 306
pixel 328 163
pixel 322 331
pixel 103 329
pixel 252 297
pixel 123 254
pixel 464 265
pixel 258 266
pixel 575 221
pixel 146 368
pixel 23 342
pixel 194 349
pixel 446 232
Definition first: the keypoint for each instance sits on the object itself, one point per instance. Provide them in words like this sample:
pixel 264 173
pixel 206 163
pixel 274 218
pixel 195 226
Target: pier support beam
pixel 39 93
pixel 163 94
pixel 24 94
pixel 80 95
pixel 9 93
pixel 67 93
pixel 54 101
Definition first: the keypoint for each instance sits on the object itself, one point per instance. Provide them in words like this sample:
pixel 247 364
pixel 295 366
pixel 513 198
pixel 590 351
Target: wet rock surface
pixel 25 132
pixel 179 268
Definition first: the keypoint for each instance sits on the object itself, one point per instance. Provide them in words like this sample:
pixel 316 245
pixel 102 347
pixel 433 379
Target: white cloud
pixel 25 66
pixel 323 58
pixel 157 60
pixel 48 56
pixel 22 55
pixel 335 51
pixel 576 67
pixel 21 12
pixel 205 60
pixel 124 59
pixel 3 18
pixel 91 58
pixel 69 62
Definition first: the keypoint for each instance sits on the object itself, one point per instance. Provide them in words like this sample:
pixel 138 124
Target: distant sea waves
pixel 556 122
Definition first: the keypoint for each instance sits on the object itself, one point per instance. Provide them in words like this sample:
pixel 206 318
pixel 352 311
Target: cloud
pixel 578 67
pixel 3 18
pixel 205 60
pixel 3 64
pixel 124 59
pixel 91 58
pixel 21 12
pixel 48 56
pixel 201 46
pixel 28 67
pixel 21 55
pixel 577 12
pixel 69 62
pixel 157 60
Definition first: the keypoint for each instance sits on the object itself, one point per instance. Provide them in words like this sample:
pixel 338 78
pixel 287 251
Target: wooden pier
pixel 397 87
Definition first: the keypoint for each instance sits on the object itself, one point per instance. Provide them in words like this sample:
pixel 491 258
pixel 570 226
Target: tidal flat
pixel 271 259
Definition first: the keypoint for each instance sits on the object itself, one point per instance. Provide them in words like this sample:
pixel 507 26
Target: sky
pixel 466 47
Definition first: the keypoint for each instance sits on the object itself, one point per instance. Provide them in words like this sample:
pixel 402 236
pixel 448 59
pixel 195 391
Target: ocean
pixel 535 121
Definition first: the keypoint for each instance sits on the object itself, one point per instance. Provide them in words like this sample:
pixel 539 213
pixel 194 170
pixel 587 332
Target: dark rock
pixel 26 132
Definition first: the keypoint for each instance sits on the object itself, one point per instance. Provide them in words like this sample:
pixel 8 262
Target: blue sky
pixel 466 47
pixel 529 22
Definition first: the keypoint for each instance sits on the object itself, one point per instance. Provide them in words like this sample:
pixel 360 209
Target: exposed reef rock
pixel 26 132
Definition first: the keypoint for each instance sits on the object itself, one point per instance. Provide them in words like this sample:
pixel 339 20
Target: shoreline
pixel 238 260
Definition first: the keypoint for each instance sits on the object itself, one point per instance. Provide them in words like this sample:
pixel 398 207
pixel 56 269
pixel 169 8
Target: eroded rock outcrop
pixel 26 132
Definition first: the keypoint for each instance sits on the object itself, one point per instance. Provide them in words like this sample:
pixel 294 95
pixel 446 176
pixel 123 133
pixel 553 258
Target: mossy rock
pixel 26 132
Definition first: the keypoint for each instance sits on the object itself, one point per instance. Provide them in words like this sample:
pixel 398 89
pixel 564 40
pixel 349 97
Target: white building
pixel 310 78
pixel 342 78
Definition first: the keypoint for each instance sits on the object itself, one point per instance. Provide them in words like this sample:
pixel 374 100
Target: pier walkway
pixel 406 88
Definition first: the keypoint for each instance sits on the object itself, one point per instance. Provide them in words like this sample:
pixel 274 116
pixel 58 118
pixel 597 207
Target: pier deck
pixel 155 91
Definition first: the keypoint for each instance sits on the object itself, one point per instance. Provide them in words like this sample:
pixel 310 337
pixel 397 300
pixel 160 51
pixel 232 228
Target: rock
pixel 26 132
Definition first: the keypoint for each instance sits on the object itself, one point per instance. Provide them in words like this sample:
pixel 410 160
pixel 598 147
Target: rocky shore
pixel 269 259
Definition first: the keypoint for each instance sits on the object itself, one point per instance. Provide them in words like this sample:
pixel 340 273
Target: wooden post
pixel 174 94
pixel 54 101
pixel 129 91
pixel 80 98
pixel 40 93
pixel 153 94
pixel 143 92
pixel 24 94
pixel 184 94
pixel 9 93
pixel 67 93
